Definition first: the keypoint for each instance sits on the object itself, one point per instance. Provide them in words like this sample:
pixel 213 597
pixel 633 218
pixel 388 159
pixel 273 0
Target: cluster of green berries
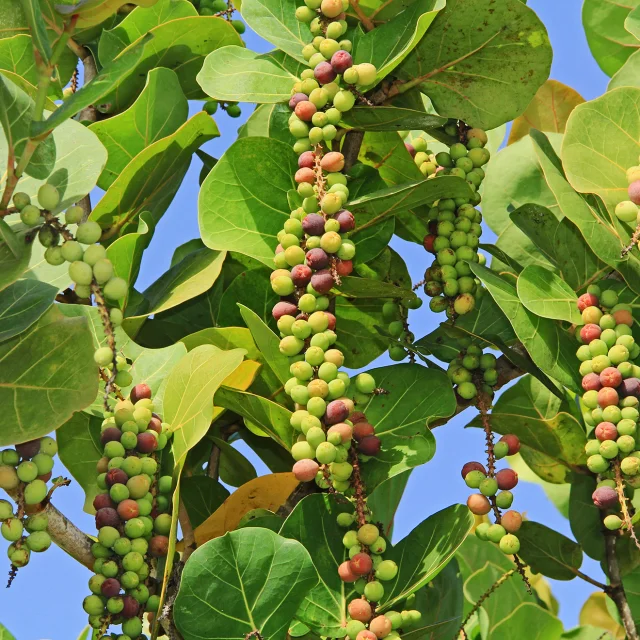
pixel 454 226
pixel 132 516
pixel 611 385
pixel 495 491
pixel 396 313
pixel 232 108
pixel 628 211
pixel 25 471
pixel 367 570
pixel 473 371
pixel 218 8
pixel 328 88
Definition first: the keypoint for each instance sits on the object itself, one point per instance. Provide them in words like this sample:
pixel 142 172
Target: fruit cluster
pixel 24 472
pixel 219 8
pixel 396 314
pixel 471 369
pixel 454 226
pixel 367 570
pixel 628 211
pixel 611 384
pixel 232 108
pixel 132 515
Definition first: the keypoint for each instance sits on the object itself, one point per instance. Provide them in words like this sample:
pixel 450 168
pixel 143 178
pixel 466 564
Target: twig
pixel 417 285
pixel 632 242
pixel 351 147
pixel 111 340
pixel 616 589
pixel 367 23
pixel 105 377
pixel 623 503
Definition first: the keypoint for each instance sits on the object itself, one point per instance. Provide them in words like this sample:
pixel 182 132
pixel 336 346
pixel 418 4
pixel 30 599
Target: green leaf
pixel 385 151
pixel 268 343
pixel 150 181
pixel 604 25
pixel 188 397
pixel 139 22
pixel 273 575
pixel 110 77
pixel 243 201
pixel 531 621
pixel 239 75
pixel 272 418
pixel 544 339
pixel 38 29
pixel 147 120
pixel 11 240
pixel 549 552
pixel 632 22
pixel 235 469
pixel 79 450
pixel 84 634
pixel 313 523
pixel 385 498
pixel 201 496
pixel 22 304
pixel 93 12
pixel 390 43
pixel 416 397
pixel 371 239
pixel 422 554
pixel 16 111
pixel 627 75
pixel 490 75
pixel 353 287
pixel 268 121
pixel 585 632
pixel 601 142
pixel 541 421
pixel 46 374
pixel 546 295
pixel 390 118
pixel 275 21
pixel 11 268
pixel 4 633
pixel 584 516
pixel 182 45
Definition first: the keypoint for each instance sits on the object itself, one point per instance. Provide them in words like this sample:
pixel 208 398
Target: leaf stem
pixel 367 23
pixel 616 589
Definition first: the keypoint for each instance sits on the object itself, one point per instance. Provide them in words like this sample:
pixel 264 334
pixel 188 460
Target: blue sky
pixel 45 600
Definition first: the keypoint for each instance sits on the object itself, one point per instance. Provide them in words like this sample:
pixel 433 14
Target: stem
pixel 111 340
pixel 633 241
pixel 351 147
pixel 616 590
pixel 591 580
pixel 187 532
pixel 367 23
pixel 623 503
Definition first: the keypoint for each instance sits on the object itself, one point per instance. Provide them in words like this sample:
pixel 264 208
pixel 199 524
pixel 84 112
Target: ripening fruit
pixel 381 626
pixel 360 610
pixel 478 504
pixel 386 570
pixel 115 289
pixel 509 544
pixel 80 273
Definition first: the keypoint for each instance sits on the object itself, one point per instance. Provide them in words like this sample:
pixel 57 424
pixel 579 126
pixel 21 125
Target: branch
pixel 616 590
pixel 66 535
pixel 187 532
pixel 367 23
pixel 351 147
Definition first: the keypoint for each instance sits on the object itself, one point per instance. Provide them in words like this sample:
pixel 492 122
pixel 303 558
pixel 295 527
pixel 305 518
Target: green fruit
pixel 627 212
pixel 71 250
pixel 88 232
pixel 504 499
pixel 48 236
pixel 386 570
pixel 488 487
pixel 115 289
pixel 21 200
pixel 368 534
pixel 37 522
pixel 474 479
pixel 132 627
pixel 80 273
pixel 103 270
pixel 73 215
pixel 597 464
pixel 53 255
pixel 365 383
pixel 93 253
pixel 35 492
pixel 467 390
pixel 93 605
pixel 12 529
pixel 374 591
pixel 27 471
pixel 44 463
pixel 103 356
pixel 496 532
pixel 6 510
pixel 48 197
pixel 39 541
pixel 612 522
pixel 509 544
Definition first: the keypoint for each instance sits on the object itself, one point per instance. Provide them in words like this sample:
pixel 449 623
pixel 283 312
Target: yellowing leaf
pixel 548 111
pixel 266 492
pixel 242 378
pixel 594 612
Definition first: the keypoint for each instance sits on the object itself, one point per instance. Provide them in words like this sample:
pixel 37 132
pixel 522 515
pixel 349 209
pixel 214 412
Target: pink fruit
pixel 587 300
pixel 590 332
pixel 591 382
pixel 606 431
pixel 305 470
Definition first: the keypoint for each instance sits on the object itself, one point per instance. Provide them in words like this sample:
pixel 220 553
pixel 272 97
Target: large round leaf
pixel 21 304
pixel 248 580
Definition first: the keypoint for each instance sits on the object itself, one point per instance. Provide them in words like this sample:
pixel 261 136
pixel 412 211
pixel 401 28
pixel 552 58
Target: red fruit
pixel 346 220
pixel 590 332
pixel 305 175
pixel 322 281
pixel 478 504
pixel 604 497
pixel 361 564
pixel 362 430
pixel 622 316
pixel 428 241
pixel 301 275
pixel 317 259
pixel 332 320
pixel 507 479
pixel 313 225
pixel 128 509
pixel 607 397
pixel 296 98
pixel 360 609
pixel 107 517
pixel 131 607
pixel 28 449
pixel 103 501
pixel 147 443
pixel 344 267
pixel 410 148
pixel 110 588
pixel 345 572
pixel 511 521
pixel 307 159
pixel 324 73
pixel 610 377
pixel 139 392
pixel 606 431
pixel 512 441
pixel 305 470
pixel 591 382
pixel 155 424
pixel 110 434
pixel 283 308
pixel 587 300
pixel 365 634
pixel 342 428
pixel 357 416
pixel 116 476
pixel 472 466
pixel 305 110
pixel 634 192
pixel 158 546
pixel 370 445
pixel 337 411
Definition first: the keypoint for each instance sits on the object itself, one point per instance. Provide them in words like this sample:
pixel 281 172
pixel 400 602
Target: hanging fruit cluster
pixel 474 374
pixel 627 211
pixel 611 387
pixel 132 515
pixel 454 227
pixel 396 313
pixel 24 473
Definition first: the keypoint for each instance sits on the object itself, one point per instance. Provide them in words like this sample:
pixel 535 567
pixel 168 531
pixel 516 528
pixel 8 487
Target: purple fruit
pixel 324 73
pixel 301 275
pixel 605 497
pixel 110 588
pixel 283 308
pixel 307 160
pixel 28 449
pixel 629 387
pixel 313 224
pixel 346 220
pixel 110 434
pixel 107 517
pixel 634 187
pixel 295 98
pixel 116 476
pixel 317 259
pixel 131 607
pixel 337 411
pixel 341 61
pixel 322 281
